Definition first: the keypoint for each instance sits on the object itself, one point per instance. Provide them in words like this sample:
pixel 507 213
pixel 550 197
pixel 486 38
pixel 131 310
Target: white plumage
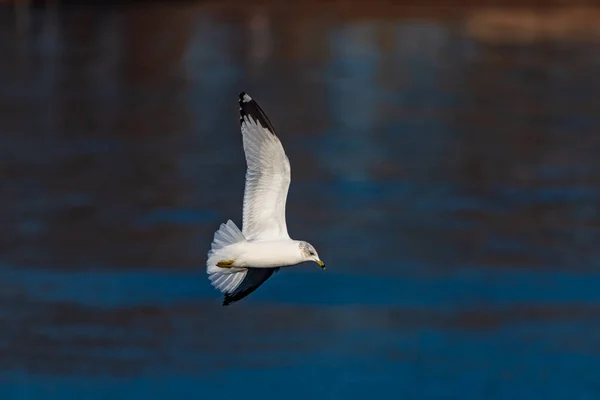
pixel 267 183
pixel 240 261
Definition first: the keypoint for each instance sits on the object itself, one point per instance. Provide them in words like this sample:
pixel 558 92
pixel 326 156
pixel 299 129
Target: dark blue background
pixel 450 180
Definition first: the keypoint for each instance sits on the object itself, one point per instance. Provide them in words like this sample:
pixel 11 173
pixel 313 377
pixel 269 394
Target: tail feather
pixel 227 234
pixel 226 280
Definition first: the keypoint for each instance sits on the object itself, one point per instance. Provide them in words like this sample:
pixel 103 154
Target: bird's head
pixel 309 253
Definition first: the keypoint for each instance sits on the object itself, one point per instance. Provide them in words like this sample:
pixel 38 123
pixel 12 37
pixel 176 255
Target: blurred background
pixel 445 163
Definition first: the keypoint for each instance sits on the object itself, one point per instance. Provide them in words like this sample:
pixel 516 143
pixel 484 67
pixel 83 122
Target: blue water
pixel 450 184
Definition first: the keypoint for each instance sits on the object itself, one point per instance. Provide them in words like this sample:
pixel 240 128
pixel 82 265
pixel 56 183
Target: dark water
pixel 451 185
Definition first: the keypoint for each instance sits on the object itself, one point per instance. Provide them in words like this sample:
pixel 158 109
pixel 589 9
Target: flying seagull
pixel 240 261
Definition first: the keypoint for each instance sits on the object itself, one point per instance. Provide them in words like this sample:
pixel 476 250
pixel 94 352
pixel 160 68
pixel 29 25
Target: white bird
pixel 240 261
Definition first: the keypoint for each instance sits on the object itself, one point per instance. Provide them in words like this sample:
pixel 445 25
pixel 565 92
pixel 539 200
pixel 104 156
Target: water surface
pixel 450 183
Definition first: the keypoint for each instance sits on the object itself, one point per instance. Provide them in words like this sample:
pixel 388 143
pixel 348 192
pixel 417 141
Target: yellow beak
pixel 321 264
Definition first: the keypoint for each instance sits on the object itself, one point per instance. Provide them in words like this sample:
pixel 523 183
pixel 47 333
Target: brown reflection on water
pixel 527 149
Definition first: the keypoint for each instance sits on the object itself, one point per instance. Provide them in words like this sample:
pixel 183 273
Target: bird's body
pixel 240 261
pixel 262 254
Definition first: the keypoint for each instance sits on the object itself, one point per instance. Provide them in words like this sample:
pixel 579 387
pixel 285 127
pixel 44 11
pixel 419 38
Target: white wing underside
pixel 267 183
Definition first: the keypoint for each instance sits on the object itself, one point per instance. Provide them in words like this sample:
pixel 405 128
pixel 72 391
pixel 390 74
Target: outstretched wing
pixel 253 279
pixel 267 175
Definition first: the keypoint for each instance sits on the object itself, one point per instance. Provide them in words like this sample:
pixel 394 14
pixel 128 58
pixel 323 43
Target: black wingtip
pixel 255 277
pixel 232 298
pixel 236 296
pixel 245 97
pixel 249 107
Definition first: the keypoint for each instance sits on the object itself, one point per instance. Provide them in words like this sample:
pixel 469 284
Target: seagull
pixel 240 261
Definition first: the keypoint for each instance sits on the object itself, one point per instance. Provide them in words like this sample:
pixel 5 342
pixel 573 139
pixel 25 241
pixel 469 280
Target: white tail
pixel 224 279
pixel 227 234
